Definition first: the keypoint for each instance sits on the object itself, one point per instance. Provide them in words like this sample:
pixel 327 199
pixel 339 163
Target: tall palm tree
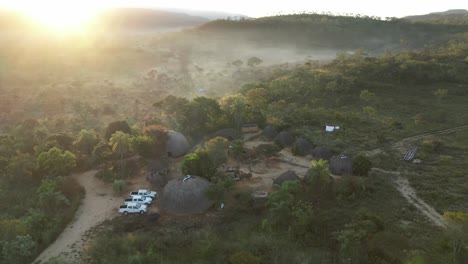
pixel 120 143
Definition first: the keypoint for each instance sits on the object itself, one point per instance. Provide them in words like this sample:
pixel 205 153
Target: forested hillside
pixel 342 32
pixel 452 17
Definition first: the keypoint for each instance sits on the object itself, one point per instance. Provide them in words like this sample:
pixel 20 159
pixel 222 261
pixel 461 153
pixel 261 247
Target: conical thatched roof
pixel 284 139
pixel 228 133
pixel 302 146
pixel 270 132
pixel 322 152
pixel 287 176
pixel 341 165
pixel 176 145
pixel 186 196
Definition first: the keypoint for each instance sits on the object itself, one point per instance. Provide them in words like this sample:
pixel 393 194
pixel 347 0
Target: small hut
pixel 284 139
pixel 176 144
pixel 249 128
pixel 341 165
pixel 302 146
pixel 287 176
pixel 186 195
pixel 322 152
pixel 228 133
pixel 270 132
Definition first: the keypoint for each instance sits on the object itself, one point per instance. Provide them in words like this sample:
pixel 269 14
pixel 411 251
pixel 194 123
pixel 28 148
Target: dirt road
pixel 98 205
pixel 404 188
pixel 401 145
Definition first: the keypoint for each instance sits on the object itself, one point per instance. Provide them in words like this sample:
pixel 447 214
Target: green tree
pixel 318 179
pixel 120 143
pixel 19 250
pixel 254 61
pixel 113 127
pixel 143 145
pixel 217 150
pixel 319 173
pixel 258 98
pixel 86 141
pixel 49 196
pixel 236 107
pixel 56 162
pixel 199 164
pixel 280 202
pixel 237 63
pixel 159 137
pixel 361 165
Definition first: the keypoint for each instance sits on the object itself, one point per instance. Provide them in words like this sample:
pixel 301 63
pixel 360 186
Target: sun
pixel 60 15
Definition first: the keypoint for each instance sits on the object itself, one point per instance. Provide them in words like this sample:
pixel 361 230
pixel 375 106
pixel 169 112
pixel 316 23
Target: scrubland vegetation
pixel 70 105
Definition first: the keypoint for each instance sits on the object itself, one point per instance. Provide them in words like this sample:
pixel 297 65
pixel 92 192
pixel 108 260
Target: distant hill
pixel 145 19
pixel 454 17
pixel 212 15
pixel 328 31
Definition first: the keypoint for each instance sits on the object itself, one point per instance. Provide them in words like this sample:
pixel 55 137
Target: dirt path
pixel 409 194
pixel 401 144
pixel 405 189
pixel 98 205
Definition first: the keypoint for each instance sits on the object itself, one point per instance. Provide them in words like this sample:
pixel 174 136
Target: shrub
pixel 361 165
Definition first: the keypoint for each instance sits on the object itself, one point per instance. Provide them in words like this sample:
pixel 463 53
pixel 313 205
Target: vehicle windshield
pixel 137 206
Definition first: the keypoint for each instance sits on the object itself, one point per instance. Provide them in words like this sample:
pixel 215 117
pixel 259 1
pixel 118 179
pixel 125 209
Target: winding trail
pixel 408 192
pixel 401 143
pixel 98 205
pixel 402 184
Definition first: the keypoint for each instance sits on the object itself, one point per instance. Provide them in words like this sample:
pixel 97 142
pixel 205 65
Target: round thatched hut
pixel 341 165
pixel 176 144
pixel 302 146
pixel 228 133
pixel 186 195
pixel 287 176
pixel 322 152
pixel 284 139
pixel 270 132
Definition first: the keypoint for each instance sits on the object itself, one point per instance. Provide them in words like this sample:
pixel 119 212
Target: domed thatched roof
pixel 228 133
pixel 302 146
pixel 284 139
pixel 341 165
pixel 287 176
pixel 270 132
pixel 322 152
pixel 176 145
pixel 186 195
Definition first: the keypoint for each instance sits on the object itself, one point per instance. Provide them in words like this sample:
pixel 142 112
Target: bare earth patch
pixel 98 205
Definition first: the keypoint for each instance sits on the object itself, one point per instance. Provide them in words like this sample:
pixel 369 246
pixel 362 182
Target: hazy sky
pixel 256 8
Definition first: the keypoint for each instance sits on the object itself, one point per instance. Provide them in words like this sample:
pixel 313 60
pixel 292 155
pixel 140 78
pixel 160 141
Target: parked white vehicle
pixel 132 208
pixel 142 192
pixel 138 199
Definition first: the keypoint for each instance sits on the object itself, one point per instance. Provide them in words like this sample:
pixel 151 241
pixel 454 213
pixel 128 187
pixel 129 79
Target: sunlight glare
pixel 60 15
